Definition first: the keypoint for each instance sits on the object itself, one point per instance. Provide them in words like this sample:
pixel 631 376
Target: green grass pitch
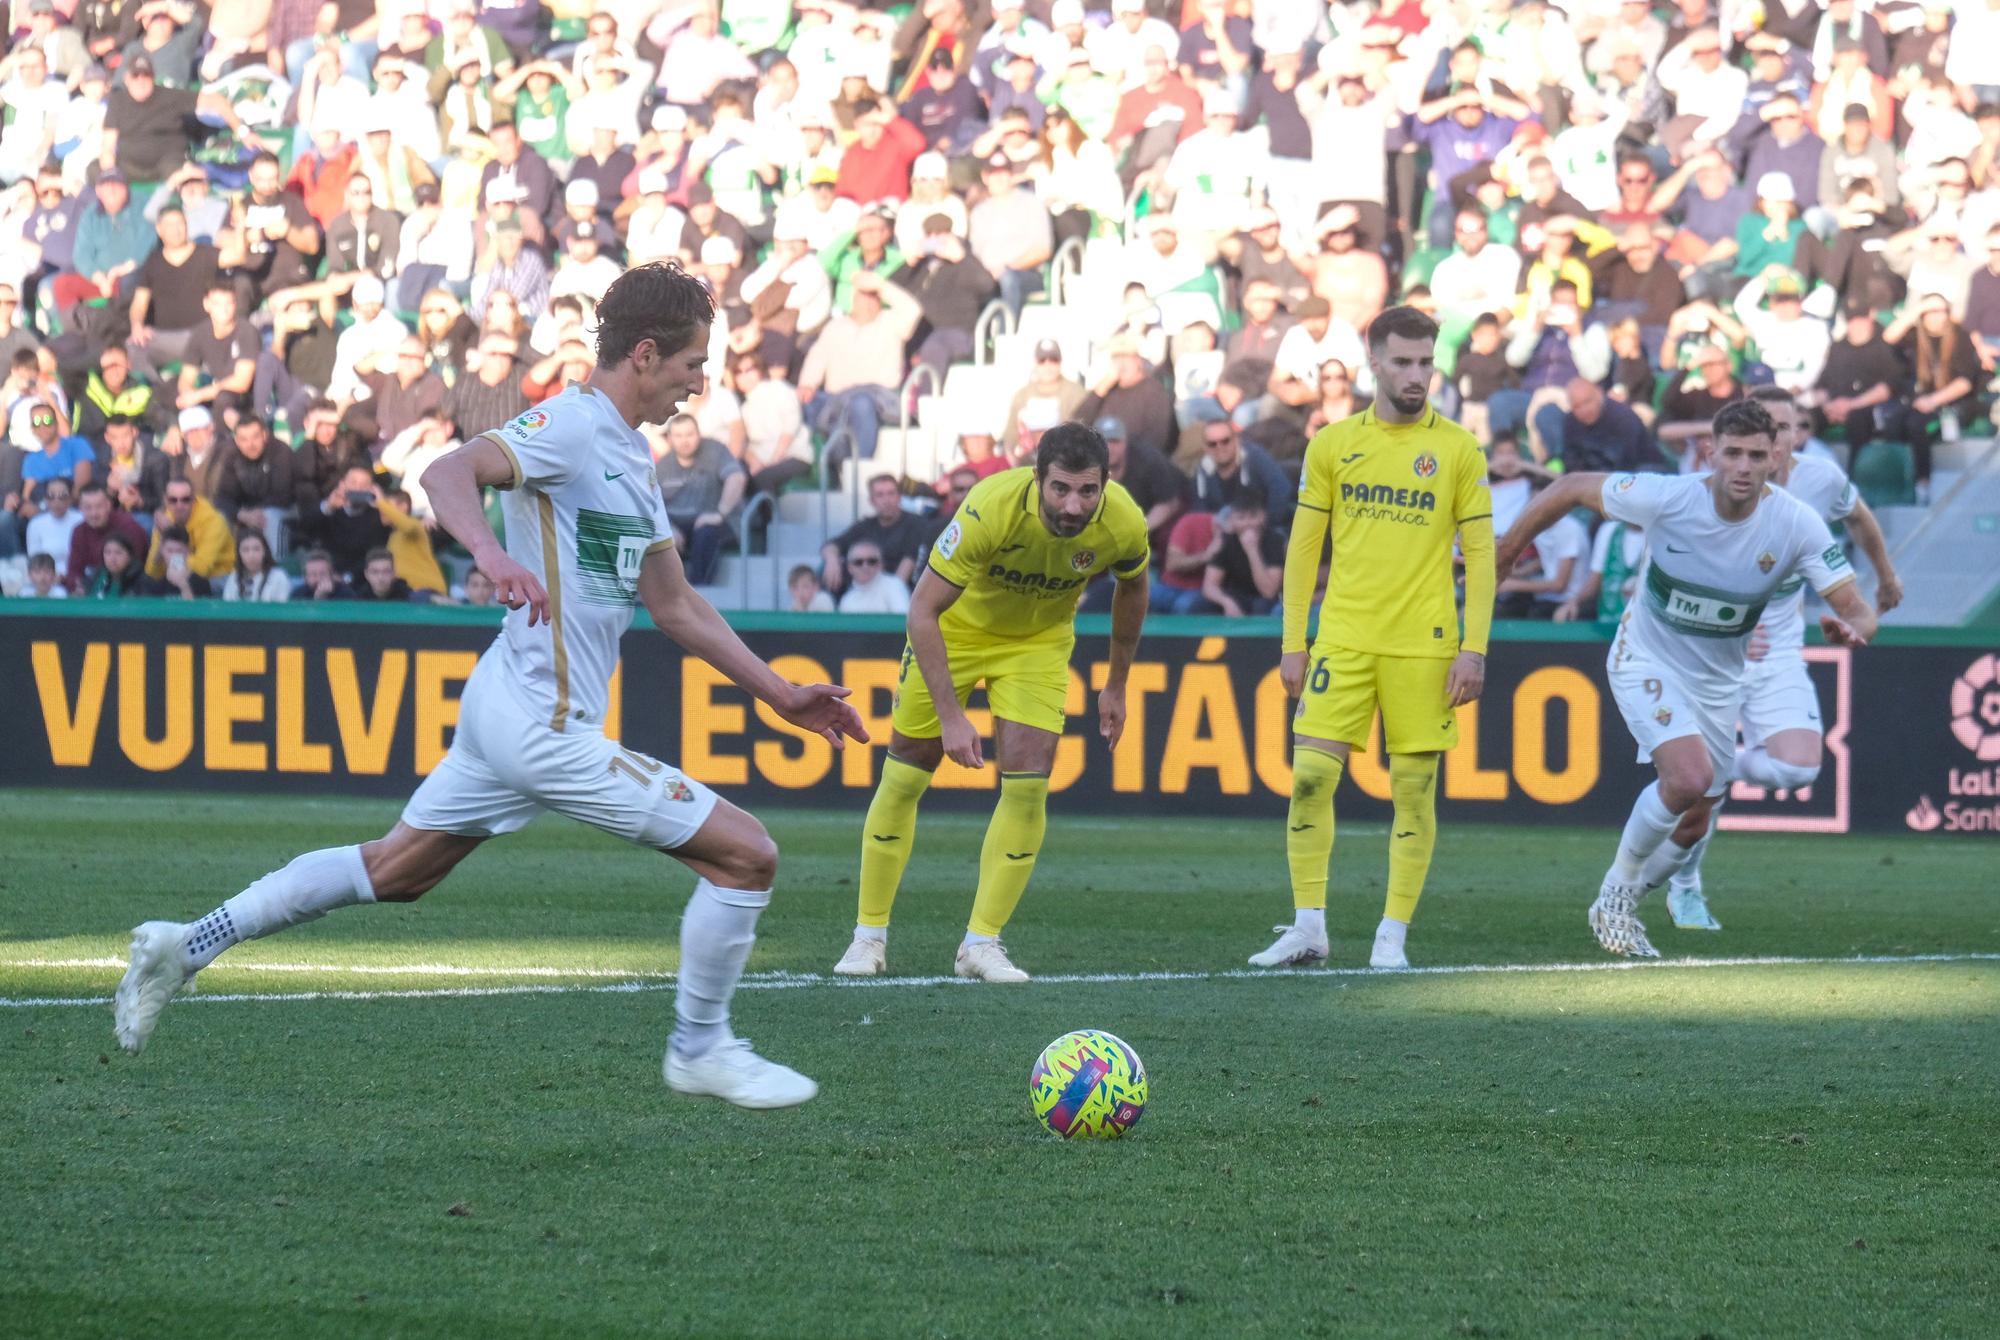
pixel 1788 1148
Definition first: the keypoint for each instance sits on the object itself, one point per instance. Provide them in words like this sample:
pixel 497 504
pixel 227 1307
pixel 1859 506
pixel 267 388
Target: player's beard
pixel 1409 402
pixel 1062 526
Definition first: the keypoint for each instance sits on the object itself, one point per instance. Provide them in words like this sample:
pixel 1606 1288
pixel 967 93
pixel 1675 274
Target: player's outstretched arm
pixel 1584 489
pixel 1467 678
pixel 1853 621
pixel 1867 533
pixel 453 483
pixel 1309 526
pixel 1128 615
pixel 679 611
pixel 933 596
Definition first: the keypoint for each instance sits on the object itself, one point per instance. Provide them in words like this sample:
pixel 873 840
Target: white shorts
pixel 1657 708
pixel 506 766
pixel 1778 695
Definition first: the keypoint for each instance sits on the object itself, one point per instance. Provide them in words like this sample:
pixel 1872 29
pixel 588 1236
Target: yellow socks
pixel 1413 789
pixel 1007 858
pixel 886 837
pixel 1309 825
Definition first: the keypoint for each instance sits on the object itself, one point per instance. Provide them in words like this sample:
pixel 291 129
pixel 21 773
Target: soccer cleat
pixel 1615 921
pixel 1690 910
pixel 1292 946
pixel 986 961
pixel 864 958
pixel 1385 955
pixel 155 973
pixel 732 1072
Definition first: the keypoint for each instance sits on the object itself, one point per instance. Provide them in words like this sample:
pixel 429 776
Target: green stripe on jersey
pixel 1701 611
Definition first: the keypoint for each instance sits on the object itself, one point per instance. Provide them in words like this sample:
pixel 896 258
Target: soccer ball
pixel 1088 1085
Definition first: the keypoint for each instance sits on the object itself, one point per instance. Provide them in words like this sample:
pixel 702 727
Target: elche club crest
pixel 1082 559
pixel 1766 561
pixel 1425 465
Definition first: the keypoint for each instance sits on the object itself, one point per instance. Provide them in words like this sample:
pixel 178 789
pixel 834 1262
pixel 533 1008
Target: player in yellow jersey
pixel 1395 484
pixel 997 604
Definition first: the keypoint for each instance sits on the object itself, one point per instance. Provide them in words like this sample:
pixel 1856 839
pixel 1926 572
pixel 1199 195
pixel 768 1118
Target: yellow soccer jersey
pixel 1018 579
pixel 1394 495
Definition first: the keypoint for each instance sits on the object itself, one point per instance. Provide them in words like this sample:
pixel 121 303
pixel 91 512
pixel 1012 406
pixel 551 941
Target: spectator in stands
pixel 220 369
pixel 1630 281
pixel 256 577
pixel 350 523
pixel 113 238
pixel 1306 347
pixel 1466 127
pixel 209 548
pixel 1159 489
pixel 363 238
pixel 168 302
pixel 1231 467
pixel 854 371
pixel 790 292
pixel 1010 233
pixel 1597 433
pixel 1551 573
pixel 41 583
pixel 870 590
pixel 177 578
pixel 1127 390
pixel 1708 204
pixel 513 268
pixel 899 538
pixel 876 165
pixel 1482 370
pixel 146 126
pixel 50 529
pixel 1550 347
pixel 254 485
pixel 1946 392
pixel 1691 402
pixel 118 572
pixel 807 596
pixel 379 580
pixel 397 399
pixel 1791 343
pixel 57 455
pixel 1153 117
pixel 1354 281
pixel 1192 543
pixel 1617 556
pixel 319 581
pixel 1048 396
pixel 702 486
pixel 479 589
pixel 952 289
pixel 490 394
pixel 776 447
pixel 1785 148
pixel 1246 575
pixel 101 521
pixel 1476 277
pixel 281 238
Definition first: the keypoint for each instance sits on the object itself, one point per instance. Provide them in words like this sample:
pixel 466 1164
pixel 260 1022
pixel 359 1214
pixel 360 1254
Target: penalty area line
pixel 786 981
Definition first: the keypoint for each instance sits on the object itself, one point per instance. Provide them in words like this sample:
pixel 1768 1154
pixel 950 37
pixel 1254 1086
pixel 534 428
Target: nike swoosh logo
pixel 1349 460
pixel 1300 828
pixel 609 476
pixel 1672 550
pixel 1411 833
pixel 1019 855
pixel 887 837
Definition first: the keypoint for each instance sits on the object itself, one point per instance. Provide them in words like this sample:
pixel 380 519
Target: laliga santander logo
pixel 1923 816
pixel 1975 710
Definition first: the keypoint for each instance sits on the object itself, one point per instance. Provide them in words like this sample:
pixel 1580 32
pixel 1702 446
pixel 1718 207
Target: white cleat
pixel 1690 910
pixel 155 974
pixel 864 958
pixel 1292 946
pixel 1387 956
pixel 1615 921
pixel 986 961
pixel 732 1072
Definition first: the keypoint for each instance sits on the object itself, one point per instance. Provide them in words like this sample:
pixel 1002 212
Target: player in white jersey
pixel 1719 547
pixel 1782 731
pixel 587 539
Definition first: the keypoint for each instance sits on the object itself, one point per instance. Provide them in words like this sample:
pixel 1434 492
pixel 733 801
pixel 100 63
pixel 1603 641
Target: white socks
pixel 306 890
pixel 1311 920
pixel 1689 873
pixel 1666 862
pixel 1648 827
pixel 880 933
pixel 975 938
pixel 1759 768
pixel 1391 933
pixel 717 931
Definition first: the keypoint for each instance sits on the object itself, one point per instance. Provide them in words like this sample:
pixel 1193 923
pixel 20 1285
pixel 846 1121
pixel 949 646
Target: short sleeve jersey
pixel 1826 489
pixel 1396 495
pixel 1019 580
pixel 1708 580
pixel 583 512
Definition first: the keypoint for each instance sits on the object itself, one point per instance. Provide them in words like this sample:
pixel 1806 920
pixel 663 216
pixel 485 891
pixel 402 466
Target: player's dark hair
pixel 1744 418
pixel 660 302
pixel 1072 446
pixel 174 535
pixel 1772 395
pixel 1407 322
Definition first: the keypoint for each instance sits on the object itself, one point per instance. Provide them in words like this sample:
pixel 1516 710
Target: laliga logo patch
pixel 532 422
pixel 1975 709
pixel 1664 715
pixel 1426 465
pixel 1623 482
pixel 1082 559
pixel 1766 561
pixel 947 543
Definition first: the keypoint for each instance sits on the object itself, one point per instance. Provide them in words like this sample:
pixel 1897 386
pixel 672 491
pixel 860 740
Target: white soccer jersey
pixel 1707 580
pixel 1822 486
pixel 583 512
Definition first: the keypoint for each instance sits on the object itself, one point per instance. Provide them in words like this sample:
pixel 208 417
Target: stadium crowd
pixel 261 261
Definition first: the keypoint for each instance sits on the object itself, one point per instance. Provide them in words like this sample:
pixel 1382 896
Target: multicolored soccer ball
pixel 1088 1085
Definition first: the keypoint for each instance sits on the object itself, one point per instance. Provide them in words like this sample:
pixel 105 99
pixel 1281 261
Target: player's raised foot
pixel 1293 946
pixel 1614 920
pixel 155 973
pixel 1689 909
pixel 864 958
pixel 986 961
pixel 732 1072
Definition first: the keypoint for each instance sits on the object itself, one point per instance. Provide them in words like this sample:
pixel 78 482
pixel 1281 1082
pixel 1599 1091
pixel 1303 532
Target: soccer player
pixel 1720 546
pixel 587 538
pixel 997 603
pixel 1782 733
pixel 1394 485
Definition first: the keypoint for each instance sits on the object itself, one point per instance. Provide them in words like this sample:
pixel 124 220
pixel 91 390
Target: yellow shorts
pixel 1343 689
pixel 1026 682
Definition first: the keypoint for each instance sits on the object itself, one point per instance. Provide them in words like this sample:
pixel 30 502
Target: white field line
pixel 784 981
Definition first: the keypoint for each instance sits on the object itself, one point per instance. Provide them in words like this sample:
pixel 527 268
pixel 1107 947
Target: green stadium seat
pixel 1886 474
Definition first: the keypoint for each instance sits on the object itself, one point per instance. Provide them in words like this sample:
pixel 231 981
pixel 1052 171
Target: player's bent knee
pixel 752 860
pixel 1685 784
